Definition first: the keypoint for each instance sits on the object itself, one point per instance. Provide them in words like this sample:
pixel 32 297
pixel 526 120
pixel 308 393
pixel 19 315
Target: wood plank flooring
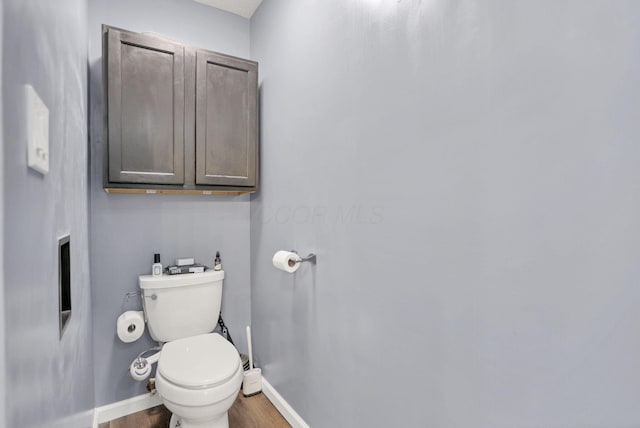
pixel 246 412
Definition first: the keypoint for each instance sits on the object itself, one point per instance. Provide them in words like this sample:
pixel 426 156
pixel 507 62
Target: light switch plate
pixel 37 131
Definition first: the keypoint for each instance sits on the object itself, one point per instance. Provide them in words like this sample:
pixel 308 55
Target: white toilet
pixel 199 373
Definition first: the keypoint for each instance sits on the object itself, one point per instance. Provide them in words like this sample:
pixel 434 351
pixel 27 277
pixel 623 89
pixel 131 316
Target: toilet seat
pixel 199 362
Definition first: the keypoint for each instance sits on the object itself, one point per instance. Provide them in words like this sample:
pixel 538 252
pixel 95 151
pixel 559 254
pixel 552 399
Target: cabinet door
pixel 146 109
pixel 226 120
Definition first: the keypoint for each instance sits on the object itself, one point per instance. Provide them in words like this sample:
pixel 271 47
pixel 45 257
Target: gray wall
pixel 3 373
pixel 127 229
pixel 468 174
pixel 49 379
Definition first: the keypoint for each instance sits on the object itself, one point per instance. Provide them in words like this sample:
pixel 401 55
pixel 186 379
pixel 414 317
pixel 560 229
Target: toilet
pixel 199 373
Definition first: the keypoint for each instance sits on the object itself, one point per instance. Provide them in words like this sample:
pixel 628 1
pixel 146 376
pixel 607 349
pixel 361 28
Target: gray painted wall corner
pixel 3 373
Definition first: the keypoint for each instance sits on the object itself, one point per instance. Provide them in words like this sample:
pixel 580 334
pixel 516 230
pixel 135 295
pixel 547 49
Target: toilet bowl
pixel 198 379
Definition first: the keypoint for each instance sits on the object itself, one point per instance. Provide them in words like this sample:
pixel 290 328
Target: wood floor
pixel 246 412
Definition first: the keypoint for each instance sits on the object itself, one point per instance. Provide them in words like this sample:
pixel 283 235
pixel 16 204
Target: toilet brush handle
pixel 249 347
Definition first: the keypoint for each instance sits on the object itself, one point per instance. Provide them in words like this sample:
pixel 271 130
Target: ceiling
pixel 243 8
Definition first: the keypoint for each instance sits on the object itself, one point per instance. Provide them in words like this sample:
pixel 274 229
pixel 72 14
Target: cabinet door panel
pixel 226 120
pixel 146 109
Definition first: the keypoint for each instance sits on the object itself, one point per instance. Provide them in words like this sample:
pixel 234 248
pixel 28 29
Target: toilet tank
pixel 178 306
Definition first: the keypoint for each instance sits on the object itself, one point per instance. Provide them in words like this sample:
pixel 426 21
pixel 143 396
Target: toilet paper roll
pixel 130 326
pixel 286 261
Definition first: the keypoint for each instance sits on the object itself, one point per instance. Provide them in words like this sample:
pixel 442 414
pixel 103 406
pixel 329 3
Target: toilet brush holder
pixel 252 382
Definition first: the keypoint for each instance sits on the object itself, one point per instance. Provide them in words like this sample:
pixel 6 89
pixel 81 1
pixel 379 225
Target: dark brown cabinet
pixel 180 119
pixel 226 122
pixel 145 109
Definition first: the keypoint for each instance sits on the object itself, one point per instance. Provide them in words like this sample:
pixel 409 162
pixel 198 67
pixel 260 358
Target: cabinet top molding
pixel 161 37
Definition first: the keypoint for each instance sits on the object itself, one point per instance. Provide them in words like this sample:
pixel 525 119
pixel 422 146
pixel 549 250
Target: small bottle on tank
pixel 156 267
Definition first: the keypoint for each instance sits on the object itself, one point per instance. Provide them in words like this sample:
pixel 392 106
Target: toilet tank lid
pixel 167 281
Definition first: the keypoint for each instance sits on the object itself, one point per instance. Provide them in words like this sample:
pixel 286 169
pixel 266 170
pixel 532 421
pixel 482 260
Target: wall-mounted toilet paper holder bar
pixel 310 258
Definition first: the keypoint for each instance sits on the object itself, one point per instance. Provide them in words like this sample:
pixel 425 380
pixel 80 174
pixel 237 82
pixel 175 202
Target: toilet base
pixel 173 423
pixel 176 422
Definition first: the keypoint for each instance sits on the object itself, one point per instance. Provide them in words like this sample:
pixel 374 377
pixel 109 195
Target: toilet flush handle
pixel 152 297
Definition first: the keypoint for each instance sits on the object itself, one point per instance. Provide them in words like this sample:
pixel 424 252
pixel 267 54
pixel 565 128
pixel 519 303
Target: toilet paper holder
pixel 310 258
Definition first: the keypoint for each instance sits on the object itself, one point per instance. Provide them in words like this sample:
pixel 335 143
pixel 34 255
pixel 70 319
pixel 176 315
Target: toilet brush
pixel 252 383
pixel 227 335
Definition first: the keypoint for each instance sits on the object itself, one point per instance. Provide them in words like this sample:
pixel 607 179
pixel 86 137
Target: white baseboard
pixel 124 408
pixel 283 407
pixel 132 405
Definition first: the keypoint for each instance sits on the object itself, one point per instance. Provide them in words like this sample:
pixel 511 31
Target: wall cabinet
pixel 226 131
pixel 179 119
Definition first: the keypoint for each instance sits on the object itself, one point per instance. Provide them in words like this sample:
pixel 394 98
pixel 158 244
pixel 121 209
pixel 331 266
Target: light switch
pixel 37 131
